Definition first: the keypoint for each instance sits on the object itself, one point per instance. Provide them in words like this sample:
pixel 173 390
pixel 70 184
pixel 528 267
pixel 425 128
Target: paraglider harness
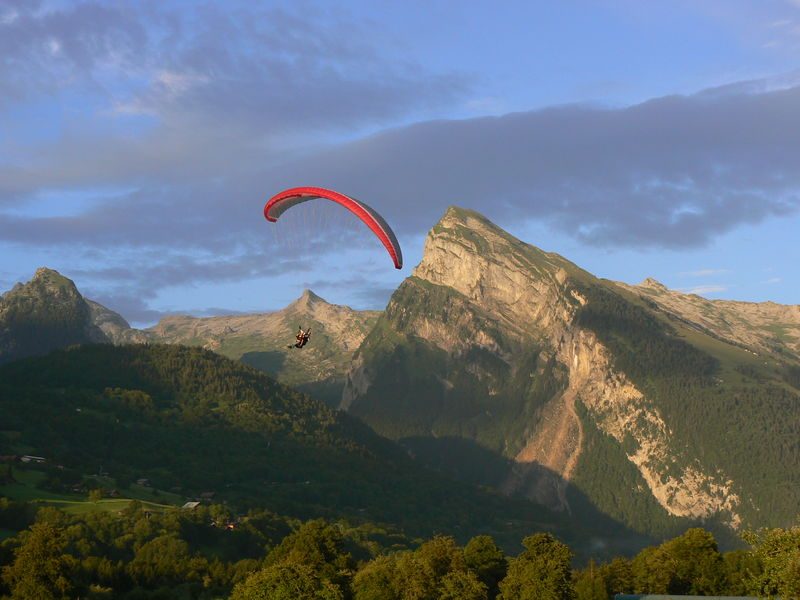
pixel 302 338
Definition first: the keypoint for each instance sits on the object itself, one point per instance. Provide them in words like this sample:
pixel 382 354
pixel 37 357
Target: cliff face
pixel 46 313
pixel 488 341
pixel 114 326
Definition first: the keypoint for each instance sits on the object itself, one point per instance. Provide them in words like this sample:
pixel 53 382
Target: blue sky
pixel 139 141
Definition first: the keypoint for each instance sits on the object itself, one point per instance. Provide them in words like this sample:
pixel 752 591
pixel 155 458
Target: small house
pixel 33 459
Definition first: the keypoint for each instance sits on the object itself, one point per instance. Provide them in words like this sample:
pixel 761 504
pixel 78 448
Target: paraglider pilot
pixel 302 337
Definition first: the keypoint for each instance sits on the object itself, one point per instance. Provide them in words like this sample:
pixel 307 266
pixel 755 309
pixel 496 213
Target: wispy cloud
pixel 702 290
pixel 772 280
pixel 704 272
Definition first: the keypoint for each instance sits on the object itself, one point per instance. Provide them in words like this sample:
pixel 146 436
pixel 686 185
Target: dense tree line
pixel 198 554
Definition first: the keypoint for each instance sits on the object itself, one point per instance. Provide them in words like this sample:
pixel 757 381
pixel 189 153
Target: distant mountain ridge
pixel 49 313
pixel 761 327
pixel 261 341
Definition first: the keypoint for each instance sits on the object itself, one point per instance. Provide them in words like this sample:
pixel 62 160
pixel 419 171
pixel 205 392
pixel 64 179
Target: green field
pixel 26 488
pixel 79 507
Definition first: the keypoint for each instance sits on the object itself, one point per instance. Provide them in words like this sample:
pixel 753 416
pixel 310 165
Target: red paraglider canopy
pixel 286 199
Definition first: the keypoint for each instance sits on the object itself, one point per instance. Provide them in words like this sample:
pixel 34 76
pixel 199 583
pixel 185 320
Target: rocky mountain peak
pixel 466 216
pixel 654 285
pixel 46 282
pixel 467 223
pixel 309 297
pixel 512 280
pixel 45 313
pixel 308 302
pixel 46 272
pixel 518 350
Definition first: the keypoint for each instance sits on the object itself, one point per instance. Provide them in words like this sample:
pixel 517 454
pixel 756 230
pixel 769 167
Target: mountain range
pixel 506 366
pixel 49 312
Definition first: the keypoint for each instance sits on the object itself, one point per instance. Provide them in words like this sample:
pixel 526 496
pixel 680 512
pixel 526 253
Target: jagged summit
pixel 311 296
pixel 470 253
pixel 308 299
pixel 496 343
pixel 456 216
pixel 45 313
pixel 45 278
pixel 44 272
pixel 454 212
pixel 653 284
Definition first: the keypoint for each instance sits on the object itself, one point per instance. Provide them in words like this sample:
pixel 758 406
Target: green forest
pixel 207 552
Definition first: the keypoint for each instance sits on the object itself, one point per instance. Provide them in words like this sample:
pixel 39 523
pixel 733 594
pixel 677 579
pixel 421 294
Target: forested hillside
pixel 192 422
pixel 208 552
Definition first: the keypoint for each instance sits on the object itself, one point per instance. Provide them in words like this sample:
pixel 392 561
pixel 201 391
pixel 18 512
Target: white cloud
pixel 8 17
pixel 704 272
pixel 175 84
pixel 702 290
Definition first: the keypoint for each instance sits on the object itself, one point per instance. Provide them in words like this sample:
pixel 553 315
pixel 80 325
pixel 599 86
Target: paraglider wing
pixel 286 199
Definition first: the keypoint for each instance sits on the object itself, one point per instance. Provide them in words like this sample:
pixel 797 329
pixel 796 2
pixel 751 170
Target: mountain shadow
pixel 466 460
pixel 270 362
pixel 462 458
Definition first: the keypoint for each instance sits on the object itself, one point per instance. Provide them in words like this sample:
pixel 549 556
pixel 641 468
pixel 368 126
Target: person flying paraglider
pixel 289 198
pixel 302 338
pixel 285 200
